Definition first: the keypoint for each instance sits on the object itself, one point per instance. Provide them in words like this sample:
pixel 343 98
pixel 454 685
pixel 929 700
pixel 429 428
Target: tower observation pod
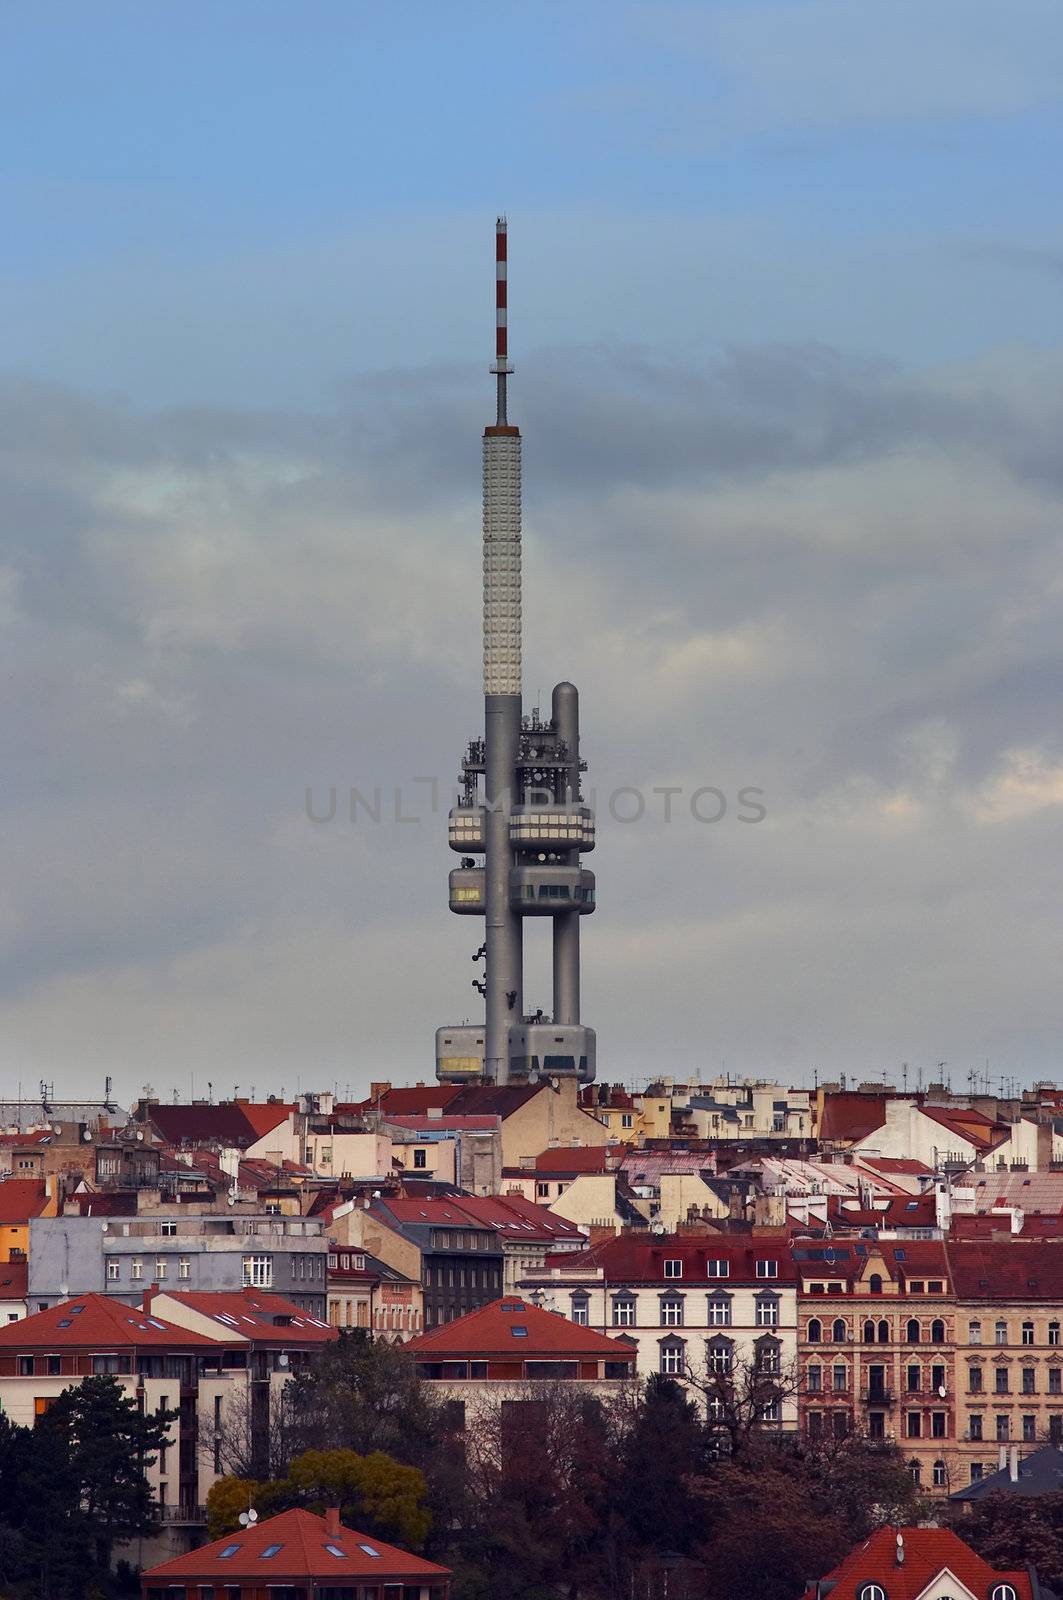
pixel 520 825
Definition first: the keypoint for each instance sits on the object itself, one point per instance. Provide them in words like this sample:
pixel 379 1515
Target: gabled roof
pixel 302 1544
pixel 20 1199
pixel 928 1552
pixel 95 1321
pixel 512 1217
pixel 230 1122
pixel 415 1101
pixel 490 1332
pixel 491 1100
pixel 906 1166
pixel 566 1160
pixel 972 1126
pixel 851 1116
pixel 1006 1269
pixel 262 1318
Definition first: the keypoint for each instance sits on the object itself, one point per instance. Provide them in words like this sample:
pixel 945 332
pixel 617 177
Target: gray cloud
pixel 836 579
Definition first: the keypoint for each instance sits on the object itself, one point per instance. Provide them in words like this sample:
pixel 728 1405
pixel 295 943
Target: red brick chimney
pixel 332 1522
pixel 149 1295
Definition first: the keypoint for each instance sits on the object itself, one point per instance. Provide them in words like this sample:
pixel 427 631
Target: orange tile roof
pixel 928 1552
pixel 489 1332
pixel 92 1321
pixel 253 1314
pixel 300 1542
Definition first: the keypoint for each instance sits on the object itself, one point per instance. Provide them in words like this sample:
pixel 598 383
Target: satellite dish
pixel 942 1391
pixel 103 1227
pixel 56 1129
pixel 248 1518
pixel 140 1133
pixel 282 1359
pixel 87 1134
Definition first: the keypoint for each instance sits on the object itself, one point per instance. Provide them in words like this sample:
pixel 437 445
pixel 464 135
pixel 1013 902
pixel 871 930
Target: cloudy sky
pixel 787 312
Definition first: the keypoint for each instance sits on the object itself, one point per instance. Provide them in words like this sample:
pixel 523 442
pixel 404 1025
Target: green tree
pixel 105 1444
pixel 1009 1530
pixel 227 1498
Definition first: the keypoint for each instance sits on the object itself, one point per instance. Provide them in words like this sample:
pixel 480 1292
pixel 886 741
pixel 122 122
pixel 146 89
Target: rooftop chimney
pixel 149 1294
pixel 332 1522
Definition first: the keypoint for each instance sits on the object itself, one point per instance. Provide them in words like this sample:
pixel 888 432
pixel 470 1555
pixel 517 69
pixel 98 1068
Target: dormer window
pixel 767 1269
pixel 715 1268
pixel 673 1269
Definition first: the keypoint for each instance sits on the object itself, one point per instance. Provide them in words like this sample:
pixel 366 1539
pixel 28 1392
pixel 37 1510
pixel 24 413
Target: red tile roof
pixel 95 1321
pixel 303 1542
pixel 230 1122
pixel 20 1199
pixel 901 1211
pixel 14 1280
pixel 1006 1269
pixel 513 1217
pixel 905 1165
pixel 928 1552
pixel 489 1332
pixel 264 1118
pixel 851 1116
pixel 413 1102
pixel 966 1124
pixel 263 1318
pixel 626 1258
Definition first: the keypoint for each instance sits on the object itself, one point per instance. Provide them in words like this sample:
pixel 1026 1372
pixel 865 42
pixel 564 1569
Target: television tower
pixel 521 808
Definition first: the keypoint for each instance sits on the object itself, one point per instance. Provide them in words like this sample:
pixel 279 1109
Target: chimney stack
pixel 332 1522
pixel 149 1294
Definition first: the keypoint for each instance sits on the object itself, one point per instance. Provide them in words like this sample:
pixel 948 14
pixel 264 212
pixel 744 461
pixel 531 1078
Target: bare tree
pixel 745 1397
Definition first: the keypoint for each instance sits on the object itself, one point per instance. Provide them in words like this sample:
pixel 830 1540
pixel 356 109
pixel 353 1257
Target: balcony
pixel 876 1396
pixel 191 1516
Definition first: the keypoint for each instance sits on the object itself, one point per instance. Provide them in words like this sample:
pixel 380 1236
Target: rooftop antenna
pixel 904 1075
pixel 502 365
pixel 210 1092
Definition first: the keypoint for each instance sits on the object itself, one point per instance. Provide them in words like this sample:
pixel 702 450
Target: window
pixel 937 1424
pixel 839 1332
pixel 915 1286
pixel 623 1313
pixel 717 1269
pixel 940 1475
pixel 420 1158
pixel 869 1333
pixel 626 1119
pixel 168 1229
pixel 1002 1591
pixel 769 1362
pixel 1002 1383
pixel 974 1333
pixel 976 1472
pixel 542 1190
pixel 673 1269
pixel 771 1411
pixel 974 1380
pixel 1029 1429
pixel 270 1551
pixel 937 1377
pixel 160 1270
pixel 673 1353
pixel 815 1380
pixel 872 1591
pixel 1053 1333
pixel 55 1366
pixel 184 1267
pixel 815 1329
pixel 1002 1430
pixel 974 1426
pixel 672 1312
pixel 915 1379
pixel 1027 1333
pixel 721 1357
pixel 1028 1380
pixel 767 1313
pixel 874 1283
pixel 883 1333
pixel 229 1551
pixel 1055 1429
pixel 136 1269
pixel 1001 1332
pixel 767 1269
pixel 911 1331
pixel 258 1272
pixel 839 1377
pixel 112 1269
pixel 720 1313
pixel 579 1310
pixel 915 1425
pixel 937 1331
pixel 1055 1381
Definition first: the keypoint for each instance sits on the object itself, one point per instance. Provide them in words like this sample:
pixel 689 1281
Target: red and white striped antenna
pixel 501 365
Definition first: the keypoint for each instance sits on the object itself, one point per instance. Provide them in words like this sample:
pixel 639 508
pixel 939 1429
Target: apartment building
pixel 121 1256
pixel 694 1307
pixel 1009 1349
pixel 364 1292
pixel 876 1334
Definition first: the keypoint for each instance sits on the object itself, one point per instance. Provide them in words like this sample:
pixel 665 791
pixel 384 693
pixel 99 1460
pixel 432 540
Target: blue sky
pixel 265 198
pixel 787 306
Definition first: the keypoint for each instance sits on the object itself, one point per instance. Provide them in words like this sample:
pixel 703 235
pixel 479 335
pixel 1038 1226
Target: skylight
pixel 64 1322
pixel 518 1331
pixel 230 1550
pixel 368 1548
pixel 334 1550
pixel 75 1311
pixel 270 1550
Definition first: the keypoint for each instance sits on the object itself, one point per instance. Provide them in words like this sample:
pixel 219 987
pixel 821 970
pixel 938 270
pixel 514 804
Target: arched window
pixel 883 1332
pixel 839 1331
pixel 937 1331
pixel 872 1591
pixel 1053 1333
pixel 1001 1331
pixel 941 1477
pixel 815 1331
pixel 1002 1591
pixel 869 1333
pixel 911 1330
pixel 1027 1333
pixel 874 1283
